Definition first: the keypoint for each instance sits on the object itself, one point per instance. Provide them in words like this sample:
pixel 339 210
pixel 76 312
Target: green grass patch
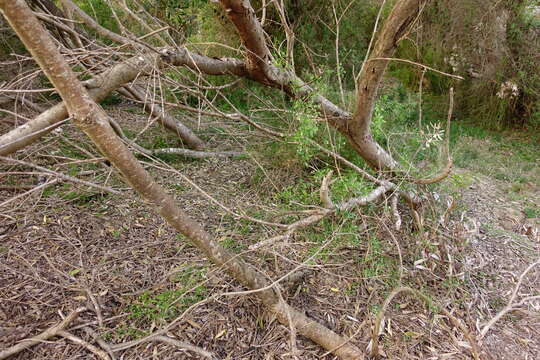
pixel 170 303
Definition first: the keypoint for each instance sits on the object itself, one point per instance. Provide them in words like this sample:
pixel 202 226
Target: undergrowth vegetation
pixel 354 258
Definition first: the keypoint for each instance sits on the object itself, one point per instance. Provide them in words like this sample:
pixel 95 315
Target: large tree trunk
pixel 357 128
pixel 95 123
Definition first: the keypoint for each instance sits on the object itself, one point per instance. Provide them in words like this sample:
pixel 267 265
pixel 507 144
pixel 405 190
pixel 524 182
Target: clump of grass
pixel 170 303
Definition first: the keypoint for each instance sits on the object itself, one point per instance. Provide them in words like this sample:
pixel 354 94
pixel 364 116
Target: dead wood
pixel 164 118
pixel 77 340
pixel 111 79
pixel 176 151
pixel 59 175
pixel 47 334
pixel 95 123
pixel 374 344
pixel 512 304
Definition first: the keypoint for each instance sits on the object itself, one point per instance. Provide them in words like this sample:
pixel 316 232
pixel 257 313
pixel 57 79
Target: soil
pixel 112 254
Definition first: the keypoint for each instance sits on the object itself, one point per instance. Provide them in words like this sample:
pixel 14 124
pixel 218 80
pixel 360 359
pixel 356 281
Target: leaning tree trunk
pixel 355 128
pixel 94 122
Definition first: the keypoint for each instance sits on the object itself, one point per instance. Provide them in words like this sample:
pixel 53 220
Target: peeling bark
pixel 258 56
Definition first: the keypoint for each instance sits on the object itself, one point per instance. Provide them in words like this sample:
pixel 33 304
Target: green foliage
pixel 532 212
pixel 375 263
pixel 180 14
pixel 101 11
pixel 496 53
pixel 306 114
pixel 170 303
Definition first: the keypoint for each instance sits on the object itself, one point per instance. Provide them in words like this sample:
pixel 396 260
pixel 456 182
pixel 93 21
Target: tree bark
pixel 356 129
pixel 94 122
pixel 103 84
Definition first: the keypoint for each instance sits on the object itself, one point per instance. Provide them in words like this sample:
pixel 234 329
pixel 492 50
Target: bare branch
pixel 47 334
pixel 60 175
pixel 164 118
pixel 77 340
pixel 511 305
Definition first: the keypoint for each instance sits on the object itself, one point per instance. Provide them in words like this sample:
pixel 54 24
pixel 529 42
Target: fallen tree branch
pixel 411 198
pixel 77 340
pixel 511 305
pixel 329 209
pixel 60 175
pixel 105 346
pixel 164 118
pixel 92 119
pixel 197 154
pixel 47 334
pixel 178 151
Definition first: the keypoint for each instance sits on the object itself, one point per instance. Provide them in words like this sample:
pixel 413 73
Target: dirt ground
pixel 69 245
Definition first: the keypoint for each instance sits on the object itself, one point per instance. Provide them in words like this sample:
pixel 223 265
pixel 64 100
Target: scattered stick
pixel 34 189
pixel 47 334
pixel 97 308
pixel 325 192
pixel 184 345
pixel 77 340
pixel 395 211
pixel 105 346
pixel 162 338
pixel 197 154
pixel 319 214
pixel 59 175
pixel 511 305
pixel 475 350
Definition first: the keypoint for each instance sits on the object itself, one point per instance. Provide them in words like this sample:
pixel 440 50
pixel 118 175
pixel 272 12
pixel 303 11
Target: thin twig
pixel 376 328
pixel 510 305
pixel 449 163
pixel 59 175
pixel 36 188
pixel 184 345
pixel 47 334
pixel 418 64
pixel 77 340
